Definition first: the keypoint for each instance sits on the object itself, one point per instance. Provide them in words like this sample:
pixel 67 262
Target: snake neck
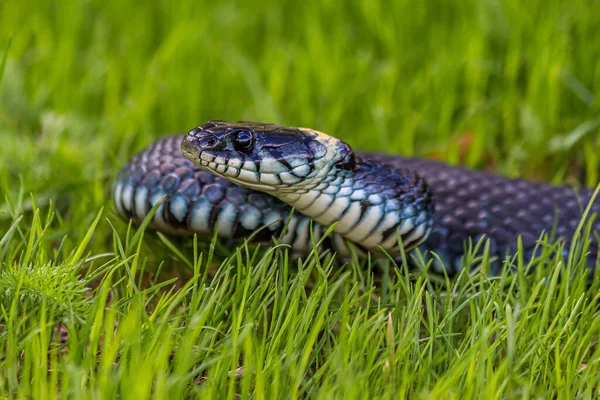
pixel 371 204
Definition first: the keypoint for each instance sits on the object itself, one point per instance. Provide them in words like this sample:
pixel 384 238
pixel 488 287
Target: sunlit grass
pixel 256 322
pixel 501 85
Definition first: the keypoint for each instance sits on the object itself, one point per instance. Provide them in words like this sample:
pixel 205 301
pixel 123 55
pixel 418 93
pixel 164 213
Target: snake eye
pixel 243 141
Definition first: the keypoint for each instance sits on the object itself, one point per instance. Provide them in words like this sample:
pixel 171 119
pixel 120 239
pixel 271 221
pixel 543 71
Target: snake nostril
pixel 210 142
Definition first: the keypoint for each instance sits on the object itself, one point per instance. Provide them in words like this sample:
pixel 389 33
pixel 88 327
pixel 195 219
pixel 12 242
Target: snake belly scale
pixel 248 175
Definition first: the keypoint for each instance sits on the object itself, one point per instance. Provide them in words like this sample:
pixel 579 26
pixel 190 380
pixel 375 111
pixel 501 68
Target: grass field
pixel 504 85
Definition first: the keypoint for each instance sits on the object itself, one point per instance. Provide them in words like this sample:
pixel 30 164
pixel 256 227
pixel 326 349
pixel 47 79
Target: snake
pixel 301 186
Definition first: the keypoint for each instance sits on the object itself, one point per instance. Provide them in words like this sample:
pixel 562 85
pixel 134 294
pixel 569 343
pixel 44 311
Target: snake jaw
pixel 217 165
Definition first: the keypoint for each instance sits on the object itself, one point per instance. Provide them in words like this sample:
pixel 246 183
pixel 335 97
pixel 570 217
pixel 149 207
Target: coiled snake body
pixel 249 175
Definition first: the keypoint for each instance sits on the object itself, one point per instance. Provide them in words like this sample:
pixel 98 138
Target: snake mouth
pixel 232 174
pixel 217 164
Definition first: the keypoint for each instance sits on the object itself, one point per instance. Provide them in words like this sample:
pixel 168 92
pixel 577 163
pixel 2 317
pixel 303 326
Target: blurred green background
pixel 505 85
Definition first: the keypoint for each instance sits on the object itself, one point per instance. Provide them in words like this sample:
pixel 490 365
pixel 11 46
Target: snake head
pixel 266 157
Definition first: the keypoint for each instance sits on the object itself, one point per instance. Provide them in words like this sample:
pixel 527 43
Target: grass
pixel 495 84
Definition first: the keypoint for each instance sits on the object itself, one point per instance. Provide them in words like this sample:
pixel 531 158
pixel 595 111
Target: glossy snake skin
pixel 440 208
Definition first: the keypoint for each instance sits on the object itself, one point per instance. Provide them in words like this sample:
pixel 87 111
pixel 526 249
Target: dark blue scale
pixel 468 204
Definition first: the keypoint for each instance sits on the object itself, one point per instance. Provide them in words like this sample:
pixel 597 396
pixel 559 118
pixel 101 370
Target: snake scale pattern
pixel 249 175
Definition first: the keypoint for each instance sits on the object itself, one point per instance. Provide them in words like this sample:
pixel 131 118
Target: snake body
pixel 250 175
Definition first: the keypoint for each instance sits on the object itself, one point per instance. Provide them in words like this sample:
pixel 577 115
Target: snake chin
pixel 208 167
